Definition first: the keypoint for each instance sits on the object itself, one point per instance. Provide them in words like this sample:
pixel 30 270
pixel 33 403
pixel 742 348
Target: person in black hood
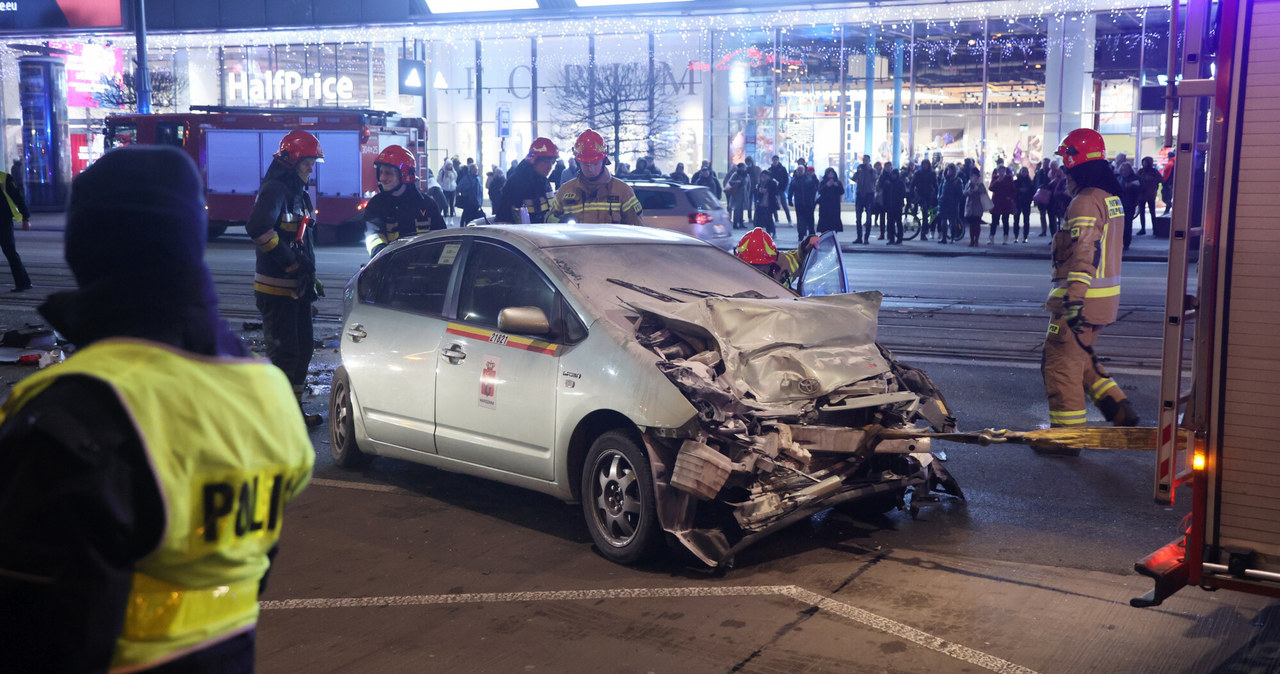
pixel 106 455
pixel 284 282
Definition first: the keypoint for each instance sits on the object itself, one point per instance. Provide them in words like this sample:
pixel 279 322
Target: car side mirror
pixel 524 321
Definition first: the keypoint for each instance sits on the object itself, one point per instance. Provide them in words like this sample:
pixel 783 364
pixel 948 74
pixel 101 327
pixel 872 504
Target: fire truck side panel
pixel 232 160
pixel 1243 502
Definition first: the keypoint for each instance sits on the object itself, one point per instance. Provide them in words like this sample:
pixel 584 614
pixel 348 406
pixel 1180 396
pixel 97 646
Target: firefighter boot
pixel 1119 413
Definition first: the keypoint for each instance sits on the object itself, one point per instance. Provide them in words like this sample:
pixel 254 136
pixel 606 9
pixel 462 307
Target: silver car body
pixel 676 206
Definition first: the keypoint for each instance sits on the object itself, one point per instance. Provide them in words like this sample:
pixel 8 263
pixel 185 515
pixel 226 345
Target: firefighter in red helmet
pixel 757 248
pixel 1086 287
pixel 398 209
pixel 284 280
pixel 594 196
pixel 526 196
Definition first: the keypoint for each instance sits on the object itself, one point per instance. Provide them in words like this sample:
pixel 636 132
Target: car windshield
pixel 702 199
pixel 605 273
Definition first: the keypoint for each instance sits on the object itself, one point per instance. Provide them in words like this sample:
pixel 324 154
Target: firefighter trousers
pixel 288 335
pixel 1072 374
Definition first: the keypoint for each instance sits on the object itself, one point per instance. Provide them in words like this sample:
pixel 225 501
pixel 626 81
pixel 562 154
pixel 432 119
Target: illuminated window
pixel 453 6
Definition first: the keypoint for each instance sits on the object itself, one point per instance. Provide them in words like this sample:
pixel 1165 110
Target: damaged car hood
pixel 785 351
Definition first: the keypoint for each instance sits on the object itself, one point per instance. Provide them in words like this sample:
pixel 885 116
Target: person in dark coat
pixel 1130 195
pixel 765 201
pixel 950 204
pixel 15 205
pixel 707 178
pixel 1043 181
pixel 557 174
pixel 925 186
pixel 468 198
pixel 1151 179
pixel 497 180
pixel 802 192
pixel 1004 203
pixel 739 188
pixel 864 177
pixel 893 194
pixel 1025 189
pixel 679 175
pixel 780 179
pixel 830 195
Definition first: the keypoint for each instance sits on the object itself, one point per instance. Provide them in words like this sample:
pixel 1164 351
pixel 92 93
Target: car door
pixel 496 392
pixel 823 272
pixel 390 340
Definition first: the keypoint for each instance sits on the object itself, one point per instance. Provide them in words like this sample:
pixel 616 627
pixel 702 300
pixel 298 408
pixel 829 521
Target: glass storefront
pixel 683 90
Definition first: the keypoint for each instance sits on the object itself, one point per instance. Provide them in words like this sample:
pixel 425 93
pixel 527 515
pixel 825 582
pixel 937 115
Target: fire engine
pixel 1218 409
pixel 233 148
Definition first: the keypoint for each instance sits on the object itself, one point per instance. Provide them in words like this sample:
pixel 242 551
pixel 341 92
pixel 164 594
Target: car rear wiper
pixel 643 290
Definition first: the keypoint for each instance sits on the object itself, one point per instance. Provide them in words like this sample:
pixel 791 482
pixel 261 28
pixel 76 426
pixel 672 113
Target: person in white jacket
pixel 448 185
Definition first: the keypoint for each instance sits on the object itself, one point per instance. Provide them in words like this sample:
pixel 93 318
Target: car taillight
pixel 699 218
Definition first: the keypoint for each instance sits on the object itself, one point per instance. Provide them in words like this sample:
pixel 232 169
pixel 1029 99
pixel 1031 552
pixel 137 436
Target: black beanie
pixel 136 209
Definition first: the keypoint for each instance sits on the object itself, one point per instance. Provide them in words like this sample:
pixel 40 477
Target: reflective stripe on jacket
pixel 612 202
pixel 228 449
pixel 1086 256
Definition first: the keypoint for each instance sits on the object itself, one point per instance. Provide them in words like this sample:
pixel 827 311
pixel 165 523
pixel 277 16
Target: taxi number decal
pixel 498 338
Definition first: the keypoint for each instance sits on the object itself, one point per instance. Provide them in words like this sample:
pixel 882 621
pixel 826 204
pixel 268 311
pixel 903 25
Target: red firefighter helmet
pixel 399 159
pixel 756 247
pixel 299 144
pixel 543 147
pixel 1080 146
pixel 590 147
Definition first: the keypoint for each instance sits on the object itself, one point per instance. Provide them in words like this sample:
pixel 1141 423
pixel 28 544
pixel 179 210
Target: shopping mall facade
pixel 895 81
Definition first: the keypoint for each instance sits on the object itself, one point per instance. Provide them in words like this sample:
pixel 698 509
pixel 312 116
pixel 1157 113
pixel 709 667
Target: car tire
pixel 342 425
pixel 618 499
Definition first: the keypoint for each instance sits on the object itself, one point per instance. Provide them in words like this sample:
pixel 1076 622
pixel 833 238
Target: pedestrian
pixel 1043 196
pixel 894 195
pixel 130 468
pixel 434 194
pixel 802 191
pixel 1025 189
pixel 1130 195
pixel 398 209
pixel 284 282
pixel 1060 197
pixel 754 172
pixel 595 196
pixel 977 202
pixel 925 187
pixel 569 173
pixel 878 201
pixel 493 186
pixel 449 185
pixel 1151 180
pixel 950 205
pixel 1004 198
pixel 17 208
pixel 765 203
pixel 864 180
pixel 738 189
pixel 469 194
pixel 707 178
pixel 780 179
pixel 1086 288
pixel 830 196
pixel 557 174
pixel 679 175
pixel 526 194
pixel 1166 185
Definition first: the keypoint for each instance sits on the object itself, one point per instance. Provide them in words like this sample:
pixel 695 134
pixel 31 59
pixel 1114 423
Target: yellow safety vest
pixel 229 449
pixel 4 187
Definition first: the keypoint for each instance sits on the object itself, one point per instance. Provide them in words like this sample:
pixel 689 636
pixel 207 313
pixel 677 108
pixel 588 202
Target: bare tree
pixel 623 102
pixel 121 92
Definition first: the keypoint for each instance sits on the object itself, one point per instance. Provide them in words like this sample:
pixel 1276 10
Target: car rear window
pixel 702 199
pixel 656 199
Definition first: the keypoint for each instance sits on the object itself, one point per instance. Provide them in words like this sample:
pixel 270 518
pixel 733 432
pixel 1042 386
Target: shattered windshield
pixel 606 273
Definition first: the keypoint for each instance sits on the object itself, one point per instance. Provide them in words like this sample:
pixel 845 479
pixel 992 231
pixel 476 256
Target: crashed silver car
pixel 668 387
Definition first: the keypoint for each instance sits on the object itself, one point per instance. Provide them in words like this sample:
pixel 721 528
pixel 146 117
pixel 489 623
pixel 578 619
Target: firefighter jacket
pixel 226 448
pixel 1086 256
pixel 401 212
pixel 281 209
pixel 524 187
pixel 608 200
pixel 17 206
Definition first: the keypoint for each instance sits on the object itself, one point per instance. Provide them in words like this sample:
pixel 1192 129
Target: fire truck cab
pixel 234 146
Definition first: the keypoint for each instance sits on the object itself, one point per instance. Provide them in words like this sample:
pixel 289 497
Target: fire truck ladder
pixel 1183 405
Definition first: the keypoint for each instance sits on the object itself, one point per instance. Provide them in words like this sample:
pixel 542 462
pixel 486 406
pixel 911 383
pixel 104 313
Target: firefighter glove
pixel 1075 320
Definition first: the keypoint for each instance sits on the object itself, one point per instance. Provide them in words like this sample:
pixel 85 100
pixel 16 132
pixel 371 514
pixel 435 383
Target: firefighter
pixel 757 248
pixel 144 477
pixel 1086 287
pixel 527 185
pixel 284 282
pixel 594 196
pixel 398 209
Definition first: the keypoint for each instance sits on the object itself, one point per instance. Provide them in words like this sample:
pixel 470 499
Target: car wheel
pixel 617 499
pixel 342 424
